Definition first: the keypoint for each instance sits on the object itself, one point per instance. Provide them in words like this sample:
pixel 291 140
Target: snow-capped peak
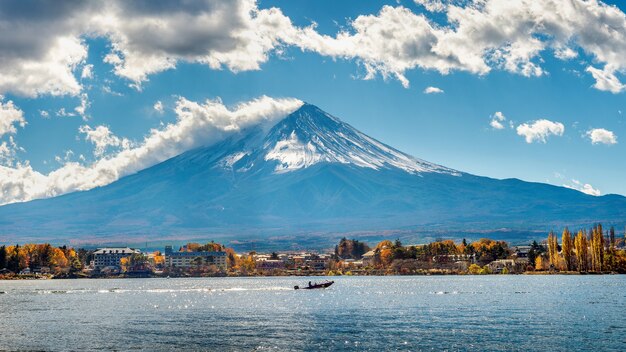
pixel 310 136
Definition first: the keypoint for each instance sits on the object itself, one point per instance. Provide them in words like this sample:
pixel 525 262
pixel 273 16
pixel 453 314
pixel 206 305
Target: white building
pixel 190 259
pixel 111 257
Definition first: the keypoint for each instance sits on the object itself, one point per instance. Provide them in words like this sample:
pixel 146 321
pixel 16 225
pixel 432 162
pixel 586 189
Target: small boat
pixel 314 286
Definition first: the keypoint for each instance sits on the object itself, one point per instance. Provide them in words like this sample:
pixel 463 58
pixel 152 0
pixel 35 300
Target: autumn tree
pixel 540 263
pixel 597 248
pixel 158 259
pixel 350 249
pixel 553 249
pixel 580 244
pixel 487 250
pixel 609 258
pixel 567 249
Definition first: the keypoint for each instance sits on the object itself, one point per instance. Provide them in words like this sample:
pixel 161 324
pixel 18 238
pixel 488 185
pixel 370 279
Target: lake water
pixel 483 313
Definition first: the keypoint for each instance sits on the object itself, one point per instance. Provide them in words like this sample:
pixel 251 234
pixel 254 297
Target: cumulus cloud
pixel 8 151
pixel 583 187
pixel 432 5
pixel 601 136
pixel 540 130
pixel 606 79
pixel 480 36
pixel 497 119
pixel 42 45
pixel 433 90
pixel 84 105
pixel 87 72
pixel 158 106
pixel 102 138
pixel 10 116
pixel 150 37
pixel 197 124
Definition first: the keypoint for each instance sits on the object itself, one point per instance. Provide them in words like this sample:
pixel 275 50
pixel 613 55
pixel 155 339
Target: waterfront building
pixel 111 257
pixel 190 259
pixel 368 258
pixel 270 264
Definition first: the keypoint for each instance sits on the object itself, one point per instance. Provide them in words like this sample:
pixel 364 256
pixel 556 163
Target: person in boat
pixel 310 284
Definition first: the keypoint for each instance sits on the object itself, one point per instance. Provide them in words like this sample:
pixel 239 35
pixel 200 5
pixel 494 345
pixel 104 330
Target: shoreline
pixel 123 277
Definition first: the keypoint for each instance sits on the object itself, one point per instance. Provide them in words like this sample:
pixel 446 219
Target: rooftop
pixel 117 250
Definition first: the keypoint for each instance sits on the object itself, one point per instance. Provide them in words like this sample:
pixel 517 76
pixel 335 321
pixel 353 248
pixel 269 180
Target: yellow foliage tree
pixel 580 242
pixel 540 263
pixel 567 249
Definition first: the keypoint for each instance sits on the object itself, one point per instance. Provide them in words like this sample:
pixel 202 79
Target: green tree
pixel 535 251
pixel 3 257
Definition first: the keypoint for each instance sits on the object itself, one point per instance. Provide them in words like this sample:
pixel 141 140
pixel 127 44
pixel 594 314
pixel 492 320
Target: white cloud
pixel 481 35
pixel 539 130
pixel 150 37
pixel 87 72
pixel 606 80
pixel 10 115
pixel 44 114
pixel 102 138
pixel 497 119
pixel 8 151
pixel 433 90
pixel 52 73
pixel 158 106
pixel 432 5
pixel 583 187
pixel 63 113
pixel 601 136
pixel 197 124
pixel 565 53
pixel 84 105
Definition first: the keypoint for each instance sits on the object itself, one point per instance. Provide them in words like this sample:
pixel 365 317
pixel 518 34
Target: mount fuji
pixel 309 175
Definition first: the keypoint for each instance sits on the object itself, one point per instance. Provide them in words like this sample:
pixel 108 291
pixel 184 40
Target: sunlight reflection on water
pixel 356 313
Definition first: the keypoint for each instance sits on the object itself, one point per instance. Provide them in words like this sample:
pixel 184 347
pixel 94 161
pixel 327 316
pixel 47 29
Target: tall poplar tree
pixel 581 251
pixel 567 250
pixel 553 250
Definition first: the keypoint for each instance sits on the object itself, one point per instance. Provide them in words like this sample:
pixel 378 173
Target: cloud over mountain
pixel 197 124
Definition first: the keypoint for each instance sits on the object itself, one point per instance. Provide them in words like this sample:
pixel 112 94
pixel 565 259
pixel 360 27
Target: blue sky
pixel 452 127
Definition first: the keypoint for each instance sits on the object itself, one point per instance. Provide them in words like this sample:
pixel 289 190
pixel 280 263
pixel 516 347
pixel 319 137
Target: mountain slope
pixel 310 173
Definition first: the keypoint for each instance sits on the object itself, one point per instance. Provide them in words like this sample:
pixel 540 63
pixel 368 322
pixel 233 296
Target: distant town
pixel 592 251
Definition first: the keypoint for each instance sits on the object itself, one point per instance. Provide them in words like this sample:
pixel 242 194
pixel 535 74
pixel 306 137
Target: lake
pixel 483 313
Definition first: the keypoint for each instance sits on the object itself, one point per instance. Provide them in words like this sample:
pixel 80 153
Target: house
pixel 512 265
pixel 190 259
pixel 111 256
pixel 41 270
pixel 521 251
pixel 368 258
pixel 270 264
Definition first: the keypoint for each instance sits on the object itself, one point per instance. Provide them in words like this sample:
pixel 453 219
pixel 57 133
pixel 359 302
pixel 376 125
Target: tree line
pixel 593 250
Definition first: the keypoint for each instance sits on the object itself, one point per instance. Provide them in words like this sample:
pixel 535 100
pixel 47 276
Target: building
pixel 270 264
pixel 111 257
pixel 368 258
pixel 190 259
pixel 512 265
pixel 521 252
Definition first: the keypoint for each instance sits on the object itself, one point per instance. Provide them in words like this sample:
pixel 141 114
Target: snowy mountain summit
pixel 310 136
